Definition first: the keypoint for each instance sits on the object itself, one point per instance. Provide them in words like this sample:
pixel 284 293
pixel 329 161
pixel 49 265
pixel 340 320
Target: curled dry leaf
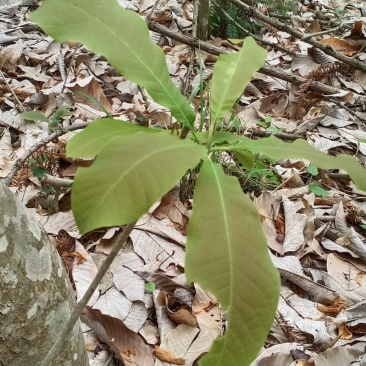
pixel 167 356
pixel 174 209
pixel 10 55
pixel 181 316
pixel 343 332
pixel 126 344
pixel 337 305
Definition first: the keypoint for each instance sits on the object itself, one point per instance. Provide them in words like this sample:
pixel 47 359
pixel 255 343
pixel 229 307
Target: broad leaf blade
pixel 128 176
pixel 275 148
pixel 123 38
pixel 227 254
pixel 231 75
pixel 97 135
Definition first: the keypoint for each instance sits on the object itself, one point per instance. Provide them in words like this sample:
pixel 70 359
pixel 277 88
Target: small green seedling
pixel 318 191
pixel 312 169
pixel 226 250
pixel 54 122
pixel 150 286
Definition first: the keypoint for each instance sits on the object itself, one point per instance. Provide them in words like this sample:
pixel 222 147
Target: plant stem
pixel 211 134
pixel 57 346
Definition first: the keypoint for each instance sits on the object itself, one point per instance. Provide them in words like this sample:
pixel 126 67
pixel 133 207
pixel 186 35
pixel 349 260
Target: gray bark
pixel 202 19
pixel 36 298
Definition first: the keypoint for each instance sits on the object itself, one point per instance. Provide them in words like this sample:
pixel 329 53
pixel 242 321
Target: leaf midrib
pixel 132 167
pixel 135 55
pixel 227 231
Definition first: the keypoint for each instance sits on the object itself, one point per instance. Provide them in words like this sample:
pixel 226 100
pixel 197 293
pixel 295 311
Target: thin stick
pixel 12 92
pixel 322 32
pixel 57 346
pixel 359 65
pixel 57 181
pixel 18 164
pixel 267 70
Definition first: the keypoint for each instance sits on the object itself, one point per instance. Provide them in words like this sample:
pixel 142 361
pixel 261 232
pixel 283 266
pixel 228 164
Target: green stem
pixel 211 134
pixel 222 148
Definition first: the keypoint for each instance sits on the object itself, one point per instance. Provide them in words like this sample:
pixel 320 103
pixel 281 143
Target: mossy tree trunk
pixel 36 298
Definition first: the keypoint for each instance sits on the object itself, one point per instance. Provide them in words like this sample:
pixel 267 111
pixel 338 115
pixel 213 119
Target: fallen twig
pixel 267 70
pixel 18 164
pixel 288 29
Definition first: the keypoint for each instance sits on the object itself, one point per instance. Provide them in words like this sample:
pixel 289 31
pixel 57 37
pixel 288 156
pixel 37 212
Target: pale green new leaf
pixel 128 176
pixel 232 73
pixel 34 116
pixel 90 141
pixel 227 254
pixel 318 191
pixel 275 148
pixel 123 38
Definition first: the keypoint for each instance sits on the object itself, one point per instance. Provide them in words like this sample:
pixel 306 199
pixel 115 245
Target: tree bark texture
pixel 36 298
pixel 203 19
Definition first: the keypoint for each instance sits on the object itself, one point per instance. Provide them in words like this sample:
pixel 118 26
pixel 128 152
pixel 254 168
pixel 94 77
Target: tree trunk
pixel 36 297
pixel 202 19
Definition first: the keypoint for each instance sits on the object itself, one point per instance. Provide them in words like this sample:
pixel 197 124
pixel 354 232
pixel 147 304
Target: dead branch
pixel 267 70
pixel 285 28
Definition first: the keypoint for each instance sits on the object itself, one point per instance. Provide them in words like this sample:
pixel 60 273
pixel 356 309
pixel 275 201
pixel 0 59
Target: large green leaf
pixel 90 141
pixel 231 75
pixel 128 176
pixel 227 254
pixel 123 38
pixel 275 148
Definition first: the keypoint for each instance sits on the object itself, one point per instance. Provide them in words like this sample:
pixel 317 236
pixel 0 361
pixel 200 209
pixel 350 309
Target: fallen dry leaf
pixel 343 332
pixel 337 305
pixel 167 356
pixel 340 45
pixel 126 344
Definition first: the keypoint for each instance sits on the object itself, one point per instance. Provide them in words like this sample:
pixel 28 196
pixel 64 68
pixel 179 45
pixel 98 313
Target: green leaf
pixel 318 191
pixel 274 129
pixel 90 141
pixel 227 254
pixel 363 226
pixel 277 149
pixel 39 172
pixel 128 176
pixel 48 190
pixel 61 112
pixel 34 116
pixel 150 286
pixel 268 119
pixel 220 137
pixel 246 159
pixel 232 73
pixel 123 38
pixel 313 170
